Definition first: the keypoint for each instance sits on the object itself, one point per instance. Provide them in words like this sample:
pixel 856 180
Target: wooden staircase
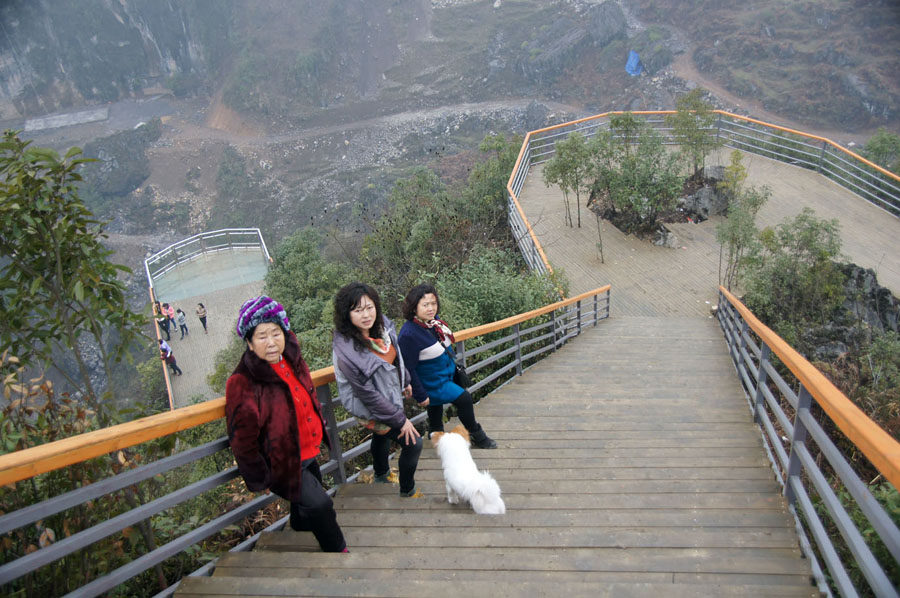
pixel 629 464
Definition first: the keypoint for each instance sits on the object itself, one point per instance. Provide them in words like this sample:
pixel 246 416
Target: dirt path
pixel 223 123
pixel 684 68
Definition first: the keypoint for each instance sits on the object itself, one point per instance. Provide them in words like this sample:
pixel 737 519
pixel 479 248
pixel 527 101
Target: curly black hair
pixel 347 299
pixel 415 295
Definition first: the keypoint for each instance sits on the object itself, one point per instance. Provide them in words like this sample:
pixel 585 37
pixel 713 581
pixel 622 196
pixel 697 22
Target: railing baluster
pixel 323 393
pixel 578 315
pixel 804 400
pixel 518 350
pixel 761 381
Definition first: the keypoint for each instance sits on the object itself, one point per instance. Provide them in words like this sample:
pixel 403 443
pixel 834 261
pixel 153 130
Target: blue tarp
pixel 634 66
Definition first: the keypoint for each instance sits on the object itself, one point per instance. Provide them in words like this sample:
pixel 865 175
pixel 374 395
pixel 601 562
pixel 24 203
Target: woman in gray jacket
pixel 373 381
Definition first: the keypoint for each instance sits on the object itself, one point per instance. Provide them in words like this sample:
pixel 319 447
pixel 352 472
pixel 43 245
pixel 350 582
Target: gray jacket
pixel 368 386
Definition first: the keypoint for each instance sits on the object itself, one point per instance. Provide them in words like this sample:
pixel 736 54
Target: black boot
pixel 481 440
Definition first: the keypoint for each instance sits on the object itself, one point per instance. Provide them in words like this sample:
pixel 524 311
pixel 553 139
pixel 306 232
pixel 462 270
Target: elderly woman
pixel 275 422
pixel 426 345
pixel 373 380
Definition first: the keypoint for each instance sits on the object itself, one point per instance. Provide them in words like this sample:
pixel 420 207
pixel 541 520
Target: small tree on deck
pixel 691 128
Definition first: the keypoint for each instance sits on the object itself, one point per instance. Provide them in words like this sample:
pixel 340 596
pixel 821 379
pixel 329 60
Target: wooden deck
pixel 628 460
pixel 656 281
pixel 630 467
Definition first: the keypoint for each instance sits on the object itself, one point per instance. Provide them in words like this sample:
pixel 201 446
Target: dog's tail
pixel 486 499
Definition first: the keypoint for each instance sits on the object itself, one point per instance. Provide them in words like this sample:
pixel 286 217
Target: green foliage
pixel 735 175
pixel 484 195
pixel 184 84
pixel 737 233
pixel 152 383
pixel 305 283
pixel 636 179
pixel 242 89
pixel 57 285
pixel 792 279
pixel 489 287
pixel 883 357
pixel 305 75
pixel 225 362
pixel 883 148
pixel 692 127
pixel 888 497
pixel 570 168
pixel 118 166
pixel 36 414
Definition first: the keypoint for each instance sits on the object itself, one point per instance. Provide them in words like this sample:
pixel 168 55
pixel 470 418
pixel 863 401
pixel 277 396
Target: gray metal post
pixel 761 380
pixel 553 326
pixel 578 316
pixel 461 352
pixel 742 344
pixel 804 399
pixel 323 393
pixel 822 157
pixel 596 309
pixel 518 350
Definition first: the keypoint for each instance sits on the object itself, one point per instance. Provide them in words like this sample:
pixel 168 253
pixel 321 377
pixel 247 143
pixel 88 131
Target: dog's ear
pixel 435 437
pixel 461 430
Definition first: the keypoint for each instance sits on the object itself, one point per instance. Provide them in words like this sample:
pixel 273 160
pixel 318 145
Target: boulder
pixel 663 237
pixel 868 301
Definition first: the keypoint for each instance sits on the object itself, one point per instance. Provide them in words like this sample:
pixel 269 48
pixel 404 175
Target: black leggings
pixel 314 512
pixel 407 463
pixel 465 409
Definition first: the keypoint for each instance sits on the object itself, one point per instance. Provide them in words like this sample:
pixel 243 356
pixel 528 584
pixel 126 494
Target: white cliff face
pixel 56 54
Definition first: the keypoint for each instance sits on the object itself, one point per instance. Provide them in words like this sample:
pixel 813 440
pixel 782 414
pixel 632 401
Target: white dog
pixel 462 477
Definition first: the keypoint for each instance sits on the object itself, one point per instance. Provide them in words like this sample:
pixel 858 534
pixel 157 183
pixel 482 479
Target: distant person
pixel 162 320
pixel 170 313
pixel 165 353
pixel 201 313
pixel 182 323
pixel 275 424
pixel 373 381
pixel 426 343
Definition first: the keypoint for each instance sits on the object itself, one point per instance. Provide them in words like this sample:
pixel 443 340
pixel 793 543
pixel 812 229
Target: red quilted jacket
pixel 262 423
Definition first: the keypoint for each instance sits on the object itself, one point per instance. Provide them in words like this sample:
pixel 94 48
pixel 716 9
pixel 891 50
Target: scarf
pixel 440 327
pixel 380 345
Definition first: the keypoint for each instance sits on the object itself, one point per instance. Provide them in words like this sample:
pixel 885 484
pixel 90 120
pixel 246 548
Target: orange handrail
pixel 519 209
pixel 876 444
pixel 33 461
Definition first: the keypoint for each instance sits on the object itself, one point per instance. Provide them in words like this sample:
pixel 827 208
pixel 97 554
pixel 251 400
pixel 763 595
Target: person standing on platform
pixel 373 381
pixel 170 313
pixel 275 424
pixel 161 319
pixel 182 323
pixel 165 353
pixel 201 313
pixel 426 343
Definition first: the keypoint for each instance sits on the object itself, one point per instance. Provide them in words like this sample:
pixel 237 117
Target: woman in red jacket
pixel 275 422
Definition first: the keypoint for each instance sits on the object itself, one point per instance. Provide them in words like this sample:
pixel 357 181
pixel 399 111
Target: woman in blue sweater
pixel 426 345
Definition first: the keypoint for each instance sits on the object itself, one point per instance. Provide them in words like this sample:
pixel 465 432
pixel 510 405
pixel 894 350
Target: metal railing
pixel 506 348
pixel 227 239
pixel 851 171
pixel 810 467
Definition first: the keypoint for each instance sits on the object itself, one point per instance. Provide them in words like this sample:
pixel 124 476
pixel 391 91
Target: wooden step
pixel 402 587
pixel 629 464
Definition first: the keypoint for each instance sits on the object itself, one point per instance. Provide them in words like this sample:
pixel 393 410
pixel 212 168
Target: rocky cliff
pixel 55 54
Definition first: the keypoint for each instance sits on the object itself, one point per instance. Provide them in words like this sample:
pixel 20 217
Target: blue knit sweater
pixel 430 366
